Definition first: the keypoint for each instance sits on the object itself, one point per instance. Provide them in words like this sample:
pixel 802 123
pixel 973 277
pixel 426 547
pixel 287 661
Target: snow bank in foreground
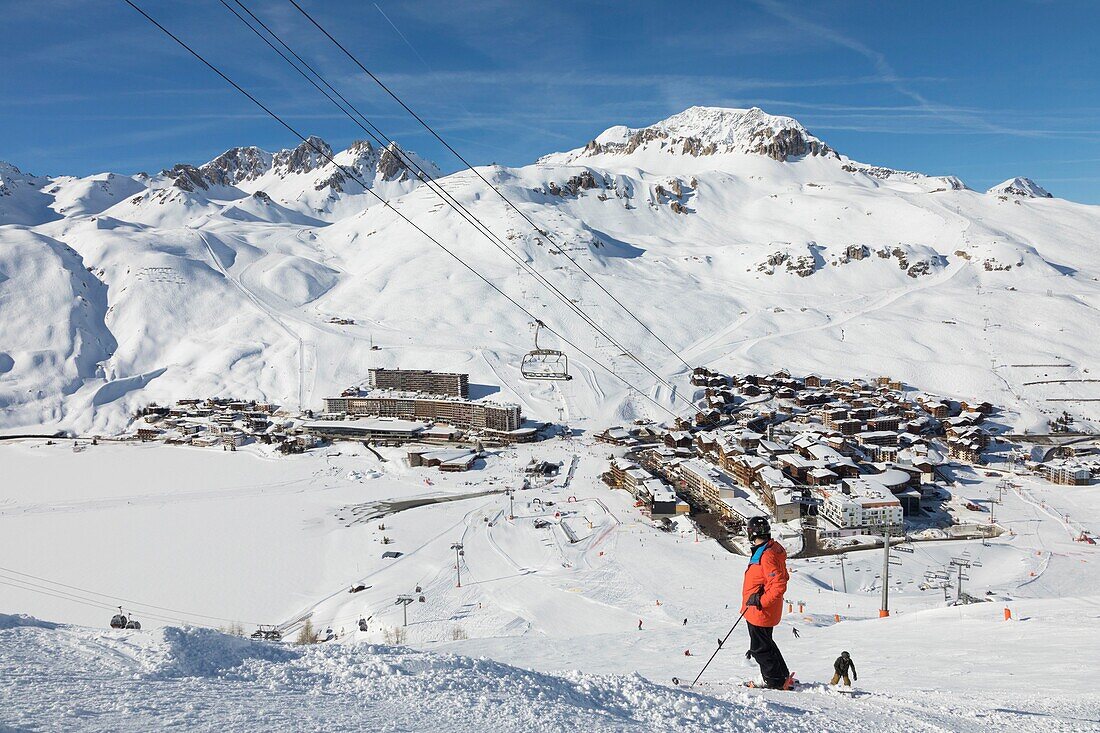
pixel 68 678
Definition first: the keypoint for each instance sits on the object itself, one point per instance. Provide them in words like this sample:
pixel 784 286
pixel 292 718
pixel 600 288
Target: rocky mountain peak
pixel 699 131
pixel 236 165
pixel 312 154
pixel 1020 186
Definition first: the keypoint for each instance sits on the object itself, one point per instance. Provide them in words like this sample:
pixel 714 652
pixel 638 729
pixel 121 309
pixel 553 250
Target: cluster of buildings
pixel 1073 463
pixel 407 404
pixel 857 454
pixel 219 422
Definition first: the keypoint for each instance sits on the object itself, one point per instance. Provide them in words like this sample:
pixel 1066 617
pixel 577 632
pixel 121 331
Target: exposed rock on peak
pixel 1024 187
pixel 700 131
pixel 187 177
pixel 312 154
pixel 236 165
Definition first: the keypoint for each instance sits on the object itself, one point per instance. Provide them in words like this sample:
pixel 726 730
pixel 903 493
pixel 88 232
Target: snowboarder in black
pixel 840 668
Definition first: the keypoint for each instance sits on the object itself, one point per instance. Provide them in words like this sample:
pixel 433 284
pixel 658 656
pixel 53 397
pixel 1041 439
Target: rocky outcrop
pixel 390 166
pixel 187 178
pixel 236 165
pixel 702 131
pixel 1022 187
pixel 310 155
pixel 583 181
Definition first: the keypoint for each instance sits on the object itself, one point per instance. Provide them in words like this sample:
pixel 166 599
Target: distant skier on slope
pixel 840 669
pixel 762 602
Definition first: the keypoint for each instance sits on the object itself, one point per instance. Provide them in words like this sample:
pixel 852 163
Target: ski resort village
pixel 675 418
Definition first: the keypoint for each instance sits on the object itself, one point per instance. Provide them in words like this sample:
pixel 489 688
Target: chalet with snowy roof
pixel 821 476
pixel 745 468
pixel 455 460
pixel 616 436
pixel 813 380
pixel 968 451
pixel 935 408
pixel 707 417
pixel 772 449
pixel 678 439
pixel 971 433
pixel 707 441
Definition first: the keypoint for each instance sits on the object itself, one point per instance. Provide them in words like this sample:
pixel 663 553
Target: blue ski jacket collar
pixel 758 552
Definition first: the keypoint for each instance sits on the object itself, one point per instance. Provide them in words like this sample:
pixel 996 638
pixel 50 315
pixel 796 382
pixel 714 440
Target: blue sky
pixel 982 90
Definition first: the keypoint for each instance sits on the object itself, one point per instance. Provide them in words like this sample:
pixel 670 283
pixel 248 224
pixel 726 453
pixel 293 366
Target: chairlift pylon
pixel 545 364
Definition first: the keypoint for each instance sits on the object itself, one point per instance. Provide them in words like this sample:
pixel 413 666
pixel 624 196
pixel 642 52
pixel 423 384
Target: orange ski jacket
pixel 767 570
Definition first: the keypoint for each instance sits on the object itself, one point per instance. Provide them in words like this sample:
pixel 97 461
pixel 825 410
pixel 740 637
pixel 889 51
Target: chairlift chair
pixel 545 364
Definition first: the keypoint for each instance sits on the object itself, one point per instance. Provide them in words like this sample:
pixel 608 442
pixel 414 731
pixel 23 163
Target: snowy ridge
pixel 229 275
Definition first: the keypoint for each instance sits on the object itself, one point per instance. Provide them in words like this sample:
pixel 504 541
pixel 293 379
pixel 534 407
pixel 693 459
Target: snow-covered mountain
pixel 740 238
pixel 1021 187
pixel 703 131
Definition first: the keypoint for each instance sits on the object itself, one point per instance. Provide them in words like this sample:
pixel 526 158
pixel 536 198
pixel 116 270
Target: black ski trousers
pixel 763 649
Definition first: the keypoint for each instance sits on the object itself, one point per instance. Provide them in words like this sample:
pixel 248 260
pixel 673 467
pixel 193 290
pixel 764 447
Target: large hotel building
pixel 412 406
pixel 421 380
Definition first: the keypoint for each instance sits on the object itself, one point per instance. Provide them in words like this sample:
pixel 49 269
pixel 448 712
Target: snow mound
pixel 15 621
pixel 201 679
pixel 297 280
pixel 196 652
pixel 1021 187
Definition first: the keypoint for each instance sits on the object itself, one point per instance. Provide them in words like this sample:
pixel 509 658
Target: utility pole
pixel 459 553
pixel 843 576
pixel 511 503
pixel 404 602
pixel 886 563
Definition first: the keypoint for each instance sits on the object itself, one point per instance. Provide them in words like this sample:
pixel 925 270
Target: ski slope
pixel 78 678
pixel 225 538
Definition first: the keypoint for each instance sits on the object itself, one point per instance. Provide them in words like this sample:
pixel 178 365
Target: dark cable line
pixel 470 166
pixel 73 598
pixel 433 184
pixel 354 176
pixel 126 601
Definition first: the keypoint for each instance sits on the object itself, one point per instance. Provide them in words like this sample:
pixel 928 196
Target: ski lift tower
pixel 404 602
pixel 459 553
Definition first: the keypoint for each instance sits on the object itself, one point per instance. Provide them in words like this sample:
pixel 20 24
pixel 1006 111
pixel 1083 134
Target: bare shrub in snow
pixel 307 634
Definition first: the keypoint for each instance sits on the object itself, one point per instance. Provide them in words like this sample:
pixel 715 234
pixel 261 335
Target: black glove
pixel 754 600
pixel 748 654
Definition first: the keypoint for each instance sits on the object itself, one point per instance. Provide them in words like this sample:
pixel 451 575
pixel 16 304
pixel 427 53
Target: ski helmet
pixel 845 655
pixel 758 527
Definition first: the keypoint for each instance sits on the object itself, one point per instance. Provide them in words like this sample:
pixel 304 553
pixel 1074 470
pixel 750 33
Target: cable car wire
pixel 126 601
pixel 354 176
pixel 433 184
pixel 470 167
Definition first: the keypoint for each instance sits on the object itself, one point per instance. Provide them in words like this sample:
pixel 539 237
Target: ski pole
pixel 723 641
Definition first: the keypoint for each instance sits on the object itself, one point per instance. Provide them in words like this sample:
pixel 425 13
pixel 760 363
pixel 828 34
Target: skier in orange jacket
pixel 762 602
